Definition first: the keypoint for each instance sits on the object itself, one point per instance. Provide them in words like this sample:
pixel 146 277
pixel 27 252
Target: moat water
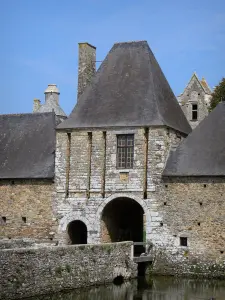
pixel 158 288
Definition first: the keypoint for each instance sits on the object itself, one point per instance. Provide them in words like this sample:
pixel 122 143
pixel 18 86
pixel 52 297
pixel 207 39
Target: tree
pixel 218 94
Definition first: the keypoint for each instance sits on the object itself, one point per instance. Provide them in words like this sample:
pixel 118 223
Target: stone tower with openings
pixel 195 100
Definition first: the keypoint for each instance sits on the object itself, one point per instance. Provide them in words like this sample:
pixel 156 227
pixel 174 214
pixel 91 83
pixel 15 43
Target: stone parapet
pixel 29 272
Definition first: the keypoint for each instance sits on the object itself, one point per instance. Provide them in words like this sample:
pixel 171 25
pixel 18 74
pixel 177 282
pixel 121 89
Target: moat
pixel 158 288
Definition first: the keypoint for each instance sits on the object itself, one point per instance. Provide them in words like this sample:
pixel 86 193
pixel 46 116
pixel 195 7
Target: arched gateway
pixel 122 219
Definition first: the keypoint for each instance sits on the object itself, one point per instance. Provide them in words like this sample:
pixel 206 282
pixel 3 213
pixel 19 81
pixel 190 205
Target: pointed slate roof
pixel 129 89
pixel 27 145
pixel 51 105
pixel 202 153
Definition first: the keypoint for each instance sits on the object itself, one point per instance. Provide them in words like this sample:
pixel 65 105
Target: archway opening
pixel 77 232
pixel 122 220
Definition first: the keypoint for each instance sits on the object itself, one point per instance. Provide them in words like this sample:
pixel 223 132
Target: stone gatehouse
pixel 111 151
pixel 126 165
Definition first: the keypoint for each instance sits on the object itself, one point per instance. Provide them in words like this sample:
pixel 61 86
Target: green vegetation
pixel 218 94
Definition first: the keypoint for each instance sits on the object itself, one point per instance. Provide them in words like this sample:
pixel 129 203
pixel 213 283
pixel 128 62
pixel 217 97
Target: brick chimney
pixel 36 105
pixel 86 68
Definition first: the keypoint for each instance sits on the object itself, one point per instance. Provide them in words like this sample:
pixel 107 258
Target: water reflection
pixel 158 288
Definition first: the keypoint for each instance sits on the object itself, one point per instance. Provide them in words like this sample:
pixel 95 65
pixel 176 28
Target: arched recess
pixel 66 220
pixel 122 220
pixel 77 232
pixel 140 201
pixel 123 195
pixel 142 210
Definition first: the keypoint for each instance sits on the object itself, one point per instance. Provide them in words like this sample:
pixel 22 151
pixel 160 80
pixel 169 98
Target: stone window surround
pixel 127 156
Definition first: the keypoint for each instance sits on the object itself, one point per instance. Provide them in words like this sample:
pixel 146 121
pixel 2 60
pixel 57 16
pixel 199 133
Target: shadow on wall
pixel 122 220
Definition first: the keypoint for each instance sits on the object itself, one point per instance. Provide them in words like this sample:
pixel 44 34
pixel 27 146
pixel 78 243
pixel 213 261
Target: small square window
pixel 183 241
pixel 4 219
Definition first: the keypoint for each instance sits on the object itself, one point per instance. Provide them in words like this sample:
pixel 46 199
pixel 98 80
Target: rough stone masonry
pixel 181 211
pixel 177 214
pixel 28 272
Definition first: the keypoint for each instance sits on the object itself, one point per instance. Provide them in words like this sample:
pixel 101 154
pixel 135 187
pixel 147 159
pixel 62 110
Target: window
pixel 194 111
pixel 125 151
pixel 183 241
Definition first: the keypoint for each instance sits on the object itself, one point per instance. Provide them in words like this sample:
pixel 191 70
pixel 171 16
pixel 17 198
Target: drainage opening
pixel 118 280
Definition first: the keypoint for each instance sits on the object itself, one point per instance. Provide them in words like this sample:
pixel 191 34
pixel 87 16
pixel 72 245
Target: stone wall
pixel 29 272
pixel 93 169
pixel 25 243
pixel 194 94
pixel 193 208
pixel 26 209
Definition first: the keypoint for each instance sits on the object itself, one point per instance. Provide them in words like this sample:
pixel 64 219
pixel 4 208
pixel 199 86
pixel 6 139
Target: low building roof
pixel 129 89
pixel 202 153
pixel 27 145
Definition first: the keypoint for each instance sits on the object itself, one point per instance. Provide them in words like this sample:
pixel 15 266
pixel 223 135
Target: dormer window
pixel 194 112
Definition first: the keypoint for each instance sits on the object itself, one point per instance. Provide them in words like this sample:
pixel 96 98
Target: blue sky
pixel 39 42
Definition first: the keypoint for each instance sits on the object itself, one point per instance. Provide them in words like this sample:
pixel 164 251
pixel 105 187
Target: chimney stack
pixel 36 105
pixel 52 92
pixel 86 68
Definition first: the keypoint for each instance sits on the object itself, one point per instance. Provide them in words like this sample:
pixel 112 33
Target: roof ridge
pixel 130 42
pixel 155 101
pixel 22 114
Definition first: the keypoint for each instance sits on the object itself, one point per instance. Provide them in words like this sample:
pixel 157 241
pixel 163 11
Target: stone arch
pixel 140 201
pixel 77 232
pixel 63 236
pixel 73 216
pixel 122 195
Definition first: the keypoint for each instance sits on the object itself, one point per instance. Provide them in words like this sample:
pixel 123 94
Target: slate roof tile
pixel 27 145
pixel 202 153
pixel 129 89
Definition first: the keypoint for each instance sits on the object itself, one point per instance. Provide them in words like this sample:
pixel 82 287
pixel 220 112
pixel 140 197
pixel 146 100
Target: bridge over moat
pixel 144 257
